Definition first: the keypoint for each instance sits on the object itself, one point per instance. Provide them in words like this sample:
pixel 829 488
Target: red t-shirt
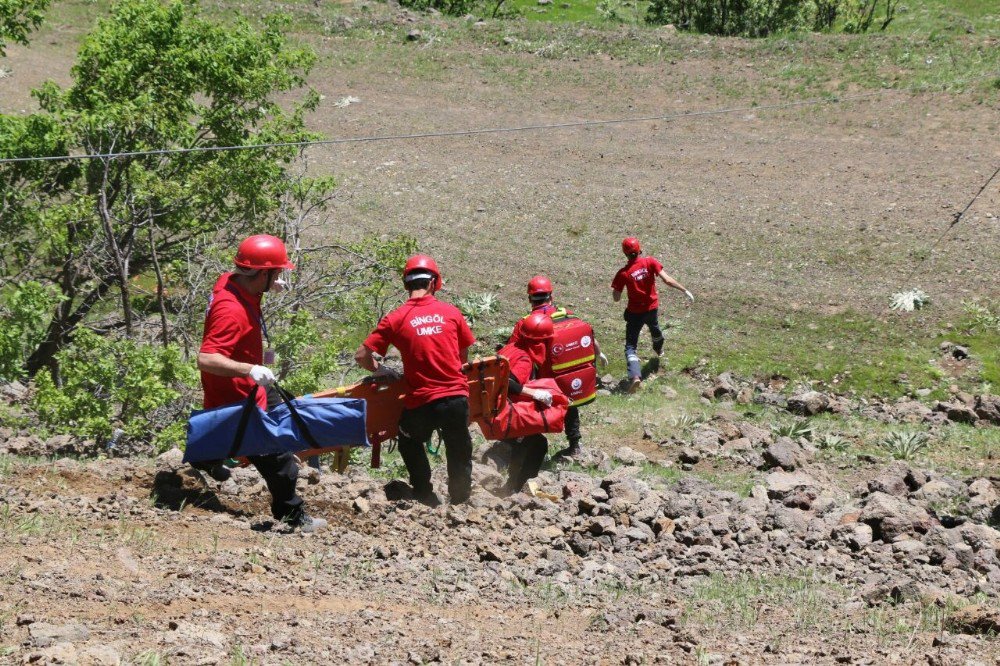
pixel 233 329
pixel 520 361
pixel 515 335
pixel 639 277
pixel 428 334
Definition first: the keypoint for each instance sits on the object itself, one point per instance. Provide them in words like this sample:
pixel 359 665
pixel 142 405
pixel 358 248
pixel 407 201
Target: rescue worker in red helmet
pixel 526 356
pixel 638 278
pixel 434 339
pixel 232 361
pixel 540 297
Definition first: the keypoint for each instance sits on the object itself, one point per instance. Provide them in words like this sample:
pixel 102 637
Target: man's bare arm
pixel 222 366
pixel 365 358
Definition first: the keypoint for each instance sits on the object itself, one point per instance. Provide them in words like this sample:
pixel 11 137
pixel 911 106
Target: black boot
pixel 570 451
pixel 215 469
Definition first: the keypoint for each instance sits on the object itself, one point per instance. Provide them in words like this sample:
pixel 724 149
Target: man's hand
pixel 603 359
pixel 262 375
pixel 386 374
pixel 689 295
pixel 542 396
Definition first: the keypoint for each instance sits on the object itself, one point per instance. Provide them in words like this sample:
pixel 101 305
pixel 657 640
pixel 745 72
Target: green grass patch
pixel 805 601
pixel 849 352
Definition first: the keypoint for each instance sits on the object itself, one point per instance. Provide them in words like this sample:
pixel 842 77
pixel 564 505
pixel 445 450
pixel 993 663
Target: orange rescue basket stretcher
pixel 487 378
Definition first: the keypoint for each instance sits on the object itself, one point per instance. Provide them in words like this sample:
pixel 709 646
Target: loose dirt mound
pixel 113 560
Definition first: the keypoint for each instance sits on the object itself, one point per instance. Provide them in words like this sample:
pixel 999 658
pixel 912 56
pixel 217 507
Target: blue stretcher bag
pixel 297 424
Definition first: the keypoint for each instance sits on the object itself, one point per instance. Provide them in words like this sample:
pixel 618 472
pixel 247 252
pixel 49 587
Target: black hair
pixel 419 283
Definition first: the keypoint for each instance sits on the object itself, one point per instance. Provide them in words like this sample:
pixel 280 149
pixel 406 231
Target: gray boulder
pixel 808 403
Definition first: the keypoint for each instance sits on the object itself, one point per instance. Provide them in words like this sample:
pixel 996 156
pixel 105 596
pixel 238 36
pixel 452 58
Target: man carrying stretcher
pixel 526 354
pixel 232 363
pixel 433 339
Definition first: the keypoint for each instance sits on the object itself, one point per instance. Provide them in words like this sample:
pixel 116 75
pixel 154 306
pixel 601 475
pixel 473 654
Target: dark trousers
pixel 526 458
pixel 450 417
pixel 280 473
pixel 572 428
pixel 634 321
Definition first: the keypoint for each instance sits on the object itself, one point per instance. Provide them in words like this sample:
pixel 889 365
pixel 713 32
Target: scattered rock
pixel 629 456
pixel 976 619
pixel 808 403
pixel 786 454
pixel 44 634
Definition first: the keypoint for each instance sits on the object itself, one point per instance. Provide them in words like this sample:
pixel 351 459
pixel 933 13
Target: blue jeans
pixel 634 321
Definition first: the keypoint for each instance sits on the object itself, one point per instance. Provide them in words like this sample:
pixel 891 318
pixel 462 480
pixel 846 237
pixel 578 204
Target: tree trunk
pixel 161 305
pixel 62 324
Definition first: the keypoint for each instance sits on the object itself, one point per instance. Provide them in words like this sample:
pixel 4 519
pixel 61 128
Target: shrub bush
pixel 24 313
pixel 743 18
pixel 759 18
pixel 107 383
pixel 449 7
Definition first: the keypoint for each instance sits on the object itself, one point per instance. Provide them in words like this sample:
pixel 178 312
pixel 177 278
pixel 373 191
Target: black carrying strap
pixel 249 405
pixel 299 421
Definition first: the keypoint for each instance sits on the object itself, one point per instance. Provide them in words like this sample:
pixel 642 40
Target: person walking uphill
pixel 231 361
pixel 638 277
pixel 580 372
pixel 434 339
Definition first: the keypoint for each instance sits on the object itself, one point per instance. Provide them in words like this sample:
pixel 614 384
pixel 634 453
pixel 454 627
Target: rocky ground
pixel 624 558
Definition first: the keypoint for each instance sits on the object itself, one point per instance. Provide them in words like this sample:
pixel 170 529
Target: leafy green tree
pixel 150 76
pixel 18 18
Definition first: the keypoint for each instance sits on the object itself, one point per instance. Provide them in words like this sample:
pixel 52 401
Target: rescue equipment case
pixel 572 358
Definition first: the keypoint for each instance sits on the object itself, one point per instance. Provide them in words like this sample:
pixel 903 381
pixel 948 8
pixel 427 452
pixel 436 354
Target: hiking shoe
pixel 570 451
pixel 427 498
pixel 658 347
pixel 215 469
pixel 635 385
pixel 459 497
pixel 307 524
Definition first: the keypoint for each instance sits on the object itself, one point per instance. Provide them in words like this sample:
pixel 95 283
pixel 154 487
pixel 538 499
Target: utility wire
pixel 954 222
pixel 449 133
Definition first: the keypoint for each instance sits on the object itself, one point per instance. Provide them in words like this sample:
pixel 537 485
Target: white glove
pixel 262 375
pixel 689 295
pixel 387 373
pixel 543 396
pixel 603 359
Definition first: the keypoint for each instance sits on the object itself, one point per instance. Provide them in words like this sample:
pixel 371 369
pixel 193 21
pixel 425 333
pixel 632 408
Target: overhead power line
pixel 449 133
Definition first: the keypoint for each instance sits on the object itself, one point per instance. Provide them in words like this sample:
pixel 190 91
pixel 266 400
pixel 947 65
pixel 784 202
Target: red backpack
pixel 572 358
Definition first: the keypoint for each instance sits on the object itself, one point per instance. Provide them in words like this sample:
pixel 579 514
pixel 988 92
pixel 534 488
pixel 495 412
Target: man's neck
pixel 419 293
pixel 245 282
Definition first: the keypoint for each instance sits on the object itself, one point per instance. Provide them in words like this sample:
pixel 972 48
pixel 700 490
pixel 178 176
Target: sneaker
pixel 635 385
pixel 307 524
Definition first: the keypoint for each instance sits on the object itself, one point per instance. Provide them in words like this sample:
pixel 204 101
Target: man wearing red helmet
pixel 232 358
pixel 526 356
pixel 540 297
pixel 638 276
pixel 434 339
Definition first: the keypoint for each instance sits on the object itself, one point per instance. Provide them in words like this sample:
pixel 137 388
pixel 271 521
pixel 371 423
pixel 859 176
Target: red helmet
pixel 631 246
pixel 537 327
pixel 262 252
pixel 422 264
pixel 539 285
